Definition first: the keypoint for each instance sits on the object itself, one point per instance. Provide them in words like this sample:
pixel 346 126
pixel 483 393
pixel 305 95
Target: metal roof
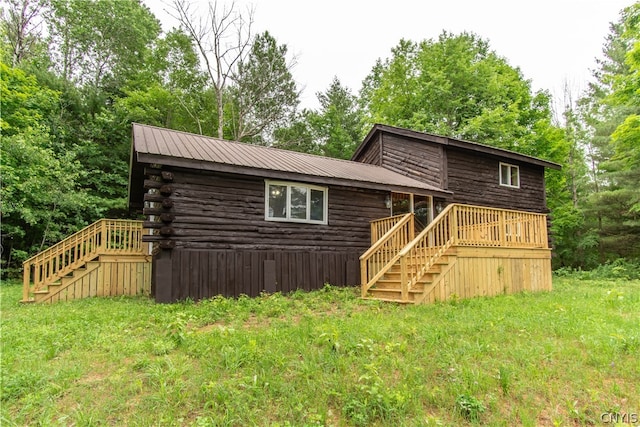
pixel 174 148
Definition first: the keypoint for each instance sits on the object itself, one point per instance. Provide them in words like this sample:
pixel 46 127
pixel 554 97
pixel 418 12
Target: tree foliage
pixel 455 86
pixel 264 94
pixel 611 110
pixel 334 130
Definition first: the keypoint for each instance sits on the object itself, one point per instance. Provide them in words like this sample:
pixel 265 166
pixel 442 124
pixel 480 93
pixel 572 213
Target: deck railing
pixel 384 252
pixel 463 225
pixel 480 226
pixel 105 236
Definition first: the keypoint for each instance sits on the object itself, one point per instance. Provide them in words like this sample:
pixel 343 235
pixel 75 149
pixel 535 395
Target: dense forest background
pixel 76 73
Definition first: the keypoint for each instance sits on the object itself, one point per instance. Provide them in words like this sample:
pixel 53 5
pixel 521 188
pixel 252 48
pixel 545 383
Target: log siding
pixel 474 179
pixel 414 159
pixel 221 211
pixel 472 176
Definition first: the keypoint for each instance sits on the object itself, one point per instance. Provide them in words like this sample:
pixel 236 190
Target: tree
pixel 297 135
pixel 100 43
pixel 222 37
pixel 334 130
pixel 455 86
pixel 611 109
pixel 21 28
pixel 338 123
pixel 171 91
pixel 264 94
pixel 40 192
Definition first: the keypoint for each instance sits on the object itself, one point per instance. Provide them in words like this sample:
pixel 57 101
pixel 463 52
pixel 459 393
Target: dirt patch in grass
pixel 92 378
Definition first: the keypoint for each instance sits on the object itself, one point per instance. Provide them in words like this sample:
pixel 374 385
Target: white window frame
pixel 289 184
pixel 510 166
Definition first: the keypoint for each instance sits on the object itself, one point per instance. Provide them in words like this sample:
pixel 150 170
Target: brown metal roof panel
pixel 199 150
pixel 190 147
pixel 164 146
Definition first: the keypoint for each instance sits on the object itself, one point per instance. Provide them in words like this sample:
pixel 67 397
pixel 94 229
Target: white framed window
pixel 509 175
pixel 295 202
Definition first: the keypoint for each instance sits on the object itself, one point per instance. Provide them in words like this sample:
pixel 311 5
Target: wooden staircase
pixel 388 287
pixel 401 267
pixel 105 258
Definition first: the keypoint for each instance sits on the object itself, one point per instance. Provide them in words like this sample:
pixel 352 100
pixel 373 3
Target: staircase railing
pixel 423 252
pixel 379 258
pixel 105 236
pixel 379 227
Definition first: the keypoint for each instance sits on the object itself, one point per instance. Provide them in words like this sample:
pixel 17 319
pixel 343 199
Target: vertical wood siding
pixel 485 272
pixel 109 276
pixel 202 274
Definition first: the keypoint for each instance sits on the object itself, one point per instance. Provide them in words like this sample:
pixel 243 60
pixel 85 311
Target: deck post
pixel 26 282
pixel 404 285
pixel 503 229
pixel 453 223
pixel 363 277
pixel 162 276
pixel 412 228
pixel 104 237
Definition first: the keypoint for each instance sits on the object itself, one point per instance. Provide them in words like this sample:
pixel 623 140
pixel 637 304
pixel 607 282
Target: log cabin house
pixel 412 217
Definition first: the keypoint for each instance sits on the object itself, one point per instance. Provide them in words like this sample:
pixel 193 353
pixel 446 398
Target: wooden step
pixel 398 301
pixel 435 269
pixel 51 287
pixel 394 295
pixel 394 283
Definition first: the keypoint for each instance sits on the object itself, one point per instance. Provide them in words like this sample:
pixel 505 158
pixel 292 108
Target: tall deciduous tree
pixel 172 91
pixel 222 38
pixel 22 28
pixel 40 192
pixel 456 86
pixel 100 42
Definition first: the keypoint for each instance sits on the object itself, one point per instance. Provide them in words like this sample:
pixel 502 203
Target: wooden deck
pixel 467 251
pixel 106 258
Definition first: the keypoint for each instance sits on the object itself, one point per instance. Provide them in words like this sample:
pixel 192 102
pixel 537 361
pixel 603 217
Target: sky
pixel 552 42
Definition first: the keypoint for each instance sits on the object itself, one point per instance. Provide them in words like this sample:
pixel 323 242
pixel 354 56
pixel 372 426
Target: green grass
pixel 324 358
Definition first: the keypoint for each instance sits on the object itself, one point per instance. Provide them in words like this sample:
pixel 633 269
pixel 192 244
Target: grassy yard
pixel 325 358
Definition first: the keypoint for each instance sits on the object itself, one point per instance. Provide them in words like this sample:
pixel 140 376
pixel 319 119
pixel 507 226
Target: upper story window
pixel 509 175
pixel 295 202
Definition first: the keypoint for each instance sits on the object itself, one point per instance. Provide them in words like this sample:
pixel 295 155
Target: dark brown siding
pixel 214 211
pixel 415 159
pixel 371 154
pixel 224 245
pixel 474 179
pixel 202 274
